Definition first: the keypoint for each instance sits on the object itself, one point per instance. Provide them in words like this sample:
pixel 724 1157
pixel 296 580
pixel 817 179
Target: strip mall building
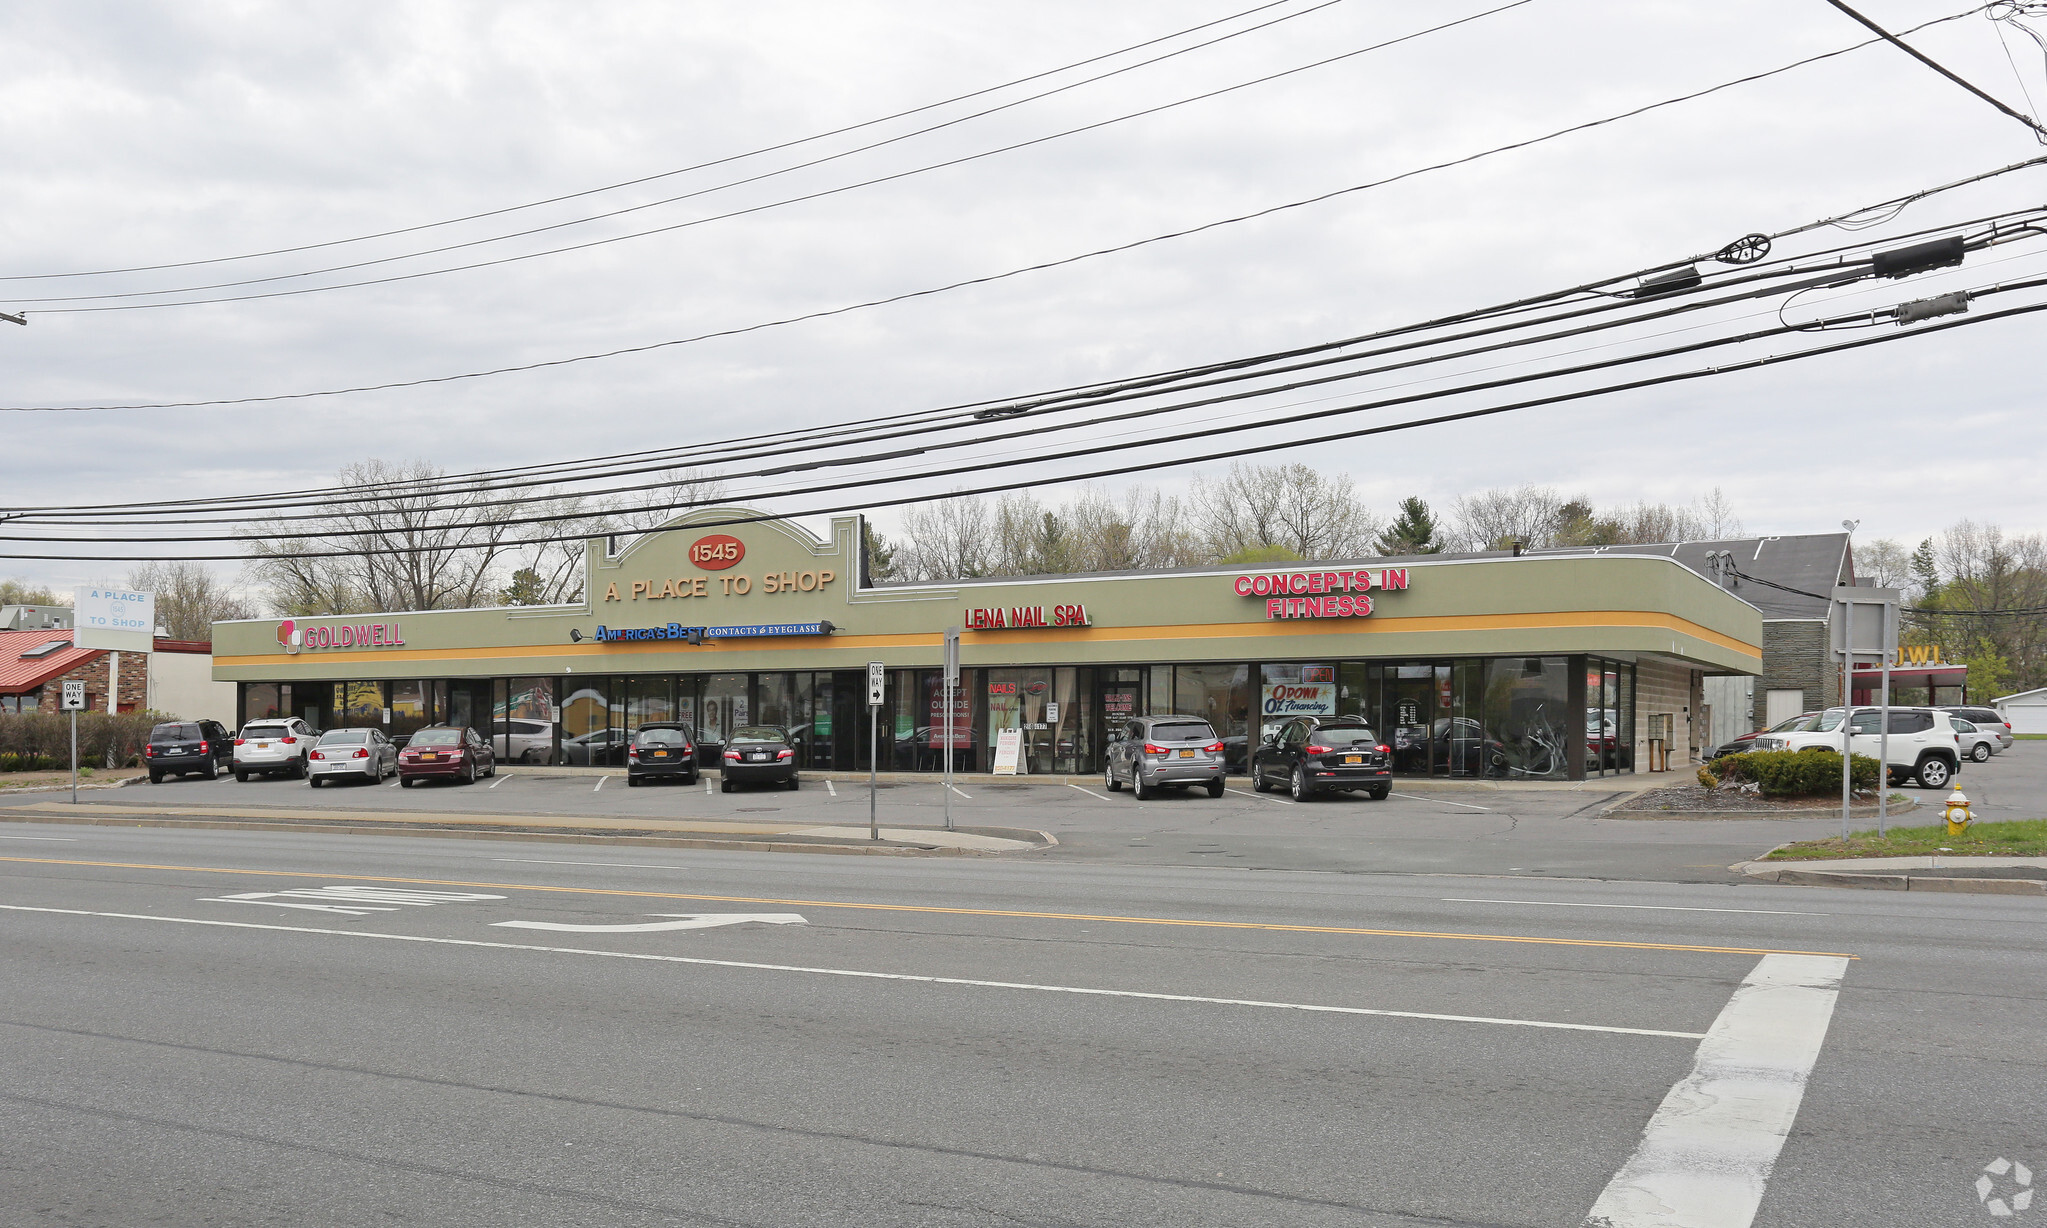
pixel 1533 667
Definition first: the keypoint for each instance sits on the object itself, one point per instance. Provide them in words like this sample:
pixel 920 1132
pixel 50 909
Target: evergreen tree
pixel 878 564
pixel 1925 572
pixel 1412 532
pixel 526 588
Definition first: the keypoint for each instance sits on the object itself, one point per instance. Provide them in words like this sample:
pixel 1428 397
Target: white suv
pixel 1923 745
pixel 278 744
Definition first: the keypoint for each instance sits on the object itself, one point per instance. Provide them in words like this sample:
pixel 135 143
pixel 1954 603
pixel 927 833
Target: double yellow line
pixel 1105 918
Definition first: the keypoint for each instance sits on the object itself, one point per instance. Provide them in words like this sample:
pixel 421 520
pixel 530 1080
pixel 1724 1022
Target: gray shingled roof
pixel 1815 562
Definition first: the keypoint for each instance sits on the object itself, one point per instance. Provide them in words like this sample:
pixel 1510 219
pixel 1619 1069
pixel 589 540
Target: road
pixel 982 1042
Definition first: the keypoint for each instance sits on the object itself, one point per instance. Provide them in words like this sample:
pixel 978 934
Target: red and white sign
pixel 348 635
pixel 1009 618
pixel 1320 594
pixel 717 552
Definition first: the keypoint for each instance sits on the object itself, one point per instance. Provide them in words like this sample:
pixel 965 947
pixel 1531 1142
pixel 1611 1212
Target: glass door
pixel 1410 710
pixel 725 707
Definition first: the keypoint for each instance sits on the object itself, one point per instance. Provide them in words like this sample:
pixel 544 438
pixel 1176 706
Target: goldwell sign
pixel 295 638
pixel 1320 594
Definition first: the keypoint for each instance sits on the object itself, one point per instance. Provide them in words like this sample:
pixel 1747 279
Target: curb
pixel 1620 810
pixel 1776 872
pixel 882 849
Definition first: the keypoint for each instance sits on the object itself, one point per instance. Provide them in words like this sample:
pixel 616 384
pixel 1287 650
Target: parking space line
pixel 939 910
pixel 500 780
pixel 600 783
pixel 1767 912
pixel 1090 792
pixel 862 974
pixel 962 792
pixel 829 789
pixel 1468 806
pixel 1707 1153
pixel 394 784
pixel 707 786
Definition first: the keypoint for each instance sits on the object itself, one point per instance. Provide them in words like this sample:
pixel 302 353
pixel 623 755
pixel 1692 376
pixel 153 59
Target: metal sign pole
pixel 950 690
pixel 1847 707
pixel 74 756
pixel 874 698
pixel 1883 741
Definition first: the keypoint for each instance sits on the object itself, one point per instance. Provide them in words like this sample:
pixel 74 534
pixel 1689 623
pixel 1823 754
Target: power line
pixel 820 194
pixel 669 174
pixel 1011 273
pixel 2038 131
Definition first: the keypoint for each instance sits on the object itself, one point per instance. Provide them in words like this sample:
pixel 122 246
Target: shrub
pixel 1707 778
pixel 41 741
pixel 1797 773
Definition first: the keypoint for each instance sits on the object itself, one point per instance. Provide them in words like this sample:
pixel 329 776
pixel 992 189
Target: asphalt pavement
pixel 235 1027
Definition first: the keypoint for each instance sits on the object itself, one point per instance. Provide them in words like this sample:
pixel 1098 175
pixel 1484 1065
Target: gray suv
pixel 1152 752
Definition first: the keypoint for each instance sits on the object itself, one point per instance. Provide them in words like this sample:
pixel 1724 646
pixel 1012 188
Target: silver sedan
pixel 351 754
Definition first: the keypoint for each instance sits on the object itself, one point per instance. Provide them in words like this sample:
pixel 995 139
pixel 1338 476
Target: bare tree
pixel 1254 506
pixel 1490 519
pixel 189 599
pixel 946 539
pixel 1884 561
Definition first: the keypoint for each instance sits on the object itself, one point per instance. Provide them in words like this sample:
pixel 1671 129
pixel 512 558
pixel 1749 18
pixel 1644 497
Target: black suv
pixel 661 751
pixel 1323 754
pixel 177 748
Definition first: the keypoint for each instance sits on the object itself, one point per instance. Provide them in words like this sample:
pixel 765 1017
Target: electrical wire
pixel 685 170
pixel 2039 132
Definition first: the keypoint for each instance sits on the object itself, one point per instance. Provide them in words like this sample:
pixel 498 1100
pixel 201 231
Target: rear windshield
pixel 1342 737
pixel 175 733
pixel 1186 731
pixel 660 737
pixel 436 737
pixel 335 737
pixel 265 731
pixel 757 733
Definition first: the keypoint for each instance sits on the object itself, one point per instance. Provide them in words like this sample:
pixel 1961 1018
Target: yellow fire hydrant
pixel 1958 814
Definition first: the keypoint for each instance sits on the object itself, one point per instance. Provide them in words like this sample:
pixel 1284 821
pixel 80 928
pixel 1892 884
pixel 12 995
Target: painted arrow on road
pixel 687 921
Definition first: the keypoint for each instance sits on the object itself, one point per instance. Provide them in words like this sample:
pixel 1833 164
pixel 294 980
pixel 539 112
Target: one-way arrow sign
pixel 688 921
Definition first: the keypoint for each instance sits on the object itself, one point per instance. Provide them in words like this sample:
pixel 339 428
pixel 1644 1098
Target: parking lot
pixel 1423 828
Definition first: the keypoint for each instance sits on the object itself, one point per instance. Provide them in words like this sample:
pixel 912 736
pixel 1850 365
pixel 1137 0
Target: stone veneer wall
pixel 1678 690
pixel 1797 656
pixel 134 683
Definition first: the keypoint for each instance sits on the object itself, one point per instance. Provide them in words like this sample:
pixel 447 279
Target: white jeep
pixel 1924 747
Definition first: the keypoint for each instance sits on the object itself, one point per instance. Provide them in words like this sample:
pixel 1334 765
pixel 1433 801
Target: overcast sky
pixel 138 134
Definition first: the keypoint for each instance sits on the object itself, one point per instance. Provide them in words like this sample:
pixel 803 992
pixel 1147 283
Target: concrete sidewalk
pixel 1608 785
pixel 689 833
pixel 1974 875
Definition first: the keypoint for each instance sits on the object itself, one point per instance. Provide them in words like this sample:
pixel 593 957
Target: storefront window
pixel 264 700
pixel 586 721
pixel 774 701
pixel 358 705
pixel 726 706
pixel 410 709
pixel 1526 703
pixel 1407 712
pixel 1222 695
pixel 526 720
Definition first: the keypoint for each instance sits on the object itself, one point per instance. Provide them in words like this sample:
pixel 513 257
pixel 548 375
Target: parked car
pixel 525 741
pixel 1154 752
pixel 1992 722
pixel 1924 746
pixel 446 752
pixel 177 748
pixel 758 754
pixel 665 751
pixel 351 754
pixel 274 746
pixel 1977 744
pixel 1312 755
pixel 1746 742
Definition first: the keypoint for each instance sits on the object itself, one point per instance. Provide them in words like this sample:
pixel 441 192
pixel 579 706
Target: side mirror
pixel 1270 739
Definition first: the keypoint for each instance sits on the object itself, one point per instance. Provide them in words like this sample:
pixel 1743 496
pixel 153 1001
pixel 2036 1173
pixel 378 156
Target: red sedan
pixel 445 752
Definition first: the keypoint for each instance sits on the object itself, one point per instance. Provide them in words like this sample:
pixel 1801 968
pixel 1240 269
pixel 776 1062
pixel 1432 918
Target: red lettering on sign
pixel 717 552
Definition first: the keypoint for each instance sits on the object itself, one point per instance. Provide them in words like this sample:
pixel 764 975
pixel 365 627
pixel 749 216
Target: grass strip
pixel 2017 838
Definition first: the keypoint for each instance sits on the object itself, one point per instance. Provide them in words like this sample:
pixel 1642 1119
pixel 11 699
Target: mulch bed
pixel 1697 798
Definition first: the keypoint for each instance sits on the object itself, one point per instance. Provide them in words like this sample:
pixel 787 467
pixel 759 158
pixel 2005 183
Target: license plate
pixel 758 758
pixel 660 754
pixel 262 746
pixel 428 755
pixel 1186 754
pixel 1353 758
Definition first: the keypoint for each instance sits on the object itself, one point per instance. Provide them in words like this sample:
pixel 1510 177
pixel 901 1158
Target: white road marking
pixel 394 784
pixel 707 786
pixel 962 793
pixel 1708 1151
pixel 828 788
pixel 53 839
pixel 858 974
pixel 349 899
pixel 600 783
pixel 1241 793
pixel 1439 801
pixel 1090 792
pixel 1766 912
pixel 689 921
pixel 628 865
pixel 500 780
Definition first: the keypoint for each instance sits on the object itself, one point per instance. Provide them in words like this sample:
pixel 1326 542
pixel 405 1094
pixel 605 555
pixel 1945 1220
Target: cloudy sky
pixel 156 134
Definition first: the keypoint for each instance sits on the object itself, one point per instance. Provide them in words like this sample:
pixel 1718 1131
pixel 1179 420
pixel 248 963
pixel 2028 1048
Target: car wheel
pixel 1109 780
pixel 469 774
pixel 1140 790
pixel 156 778
pixel 301 770
pixel 314 781
pixel 724 786
pixel 1215 788
pixel 633 782
pixel 1379 795
pixel 692 778
pixel 1258 781
pixel 212 770
pixel 1300 788
pixel 241 777
pixel 793 786
pixel 1981 753
pixel 1934 773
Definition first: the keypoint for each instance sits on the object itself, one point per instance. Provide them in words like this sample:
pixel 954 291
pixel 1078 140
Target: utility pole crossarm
pixel 12 319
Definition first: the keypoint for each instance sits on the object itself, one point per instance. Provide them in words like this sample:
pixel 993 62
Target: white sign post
pixel 74 703
pixel 950 692
pixel 874 689
pixel 1867 627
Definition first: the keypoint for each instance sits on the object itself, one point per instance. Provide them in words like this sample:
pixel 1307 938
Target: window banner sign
pixel 1283 699
pixel 961 728
pixel 1009 753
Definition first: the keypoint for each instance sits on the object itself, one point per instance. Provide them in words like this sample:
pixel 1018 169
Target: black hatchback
pixel 1323 755
pixel 179 748
pixel 661 752
pixel 758 754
